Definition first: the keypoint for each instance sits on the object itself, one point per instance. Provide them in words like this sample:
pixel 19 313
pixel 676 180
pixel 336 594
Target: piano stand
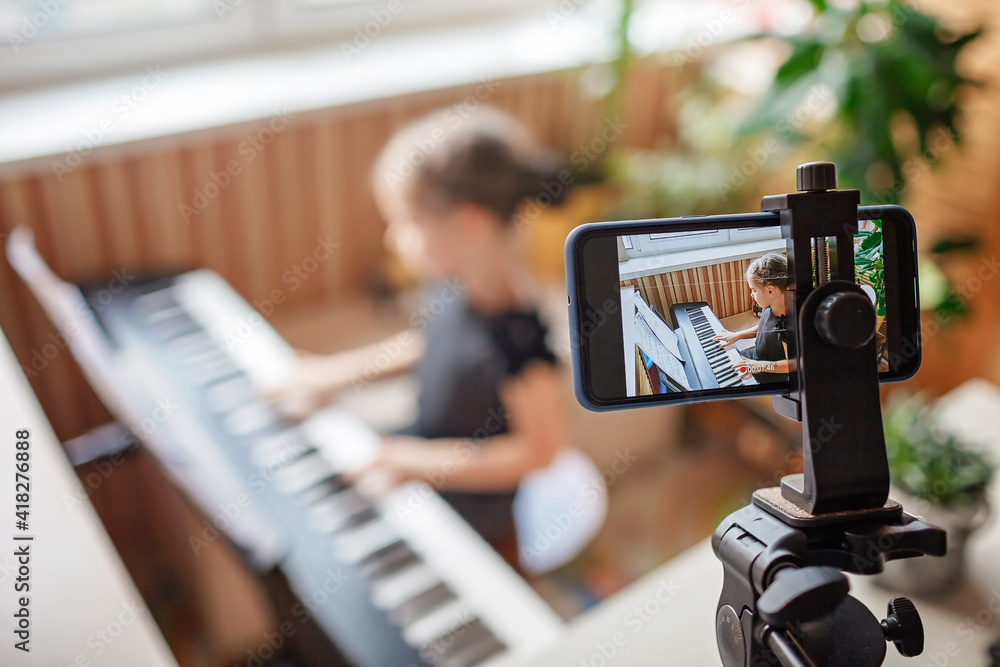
pixel 785 596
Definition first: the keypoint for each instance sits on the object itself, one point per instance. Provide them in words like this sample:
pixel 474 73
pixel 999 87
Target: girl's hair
pixel 770 269
pixel 486 158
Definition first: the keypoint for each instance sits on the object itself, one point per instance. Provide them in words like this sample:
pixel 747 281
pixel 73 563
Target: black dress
pixel 769 345
pixel 468 355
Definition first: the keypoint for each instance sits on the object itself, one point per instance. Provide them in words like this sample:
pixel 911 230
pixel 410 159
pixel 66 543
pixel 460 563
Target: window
pixel 53 40
pixel 53 19
pixel 645 245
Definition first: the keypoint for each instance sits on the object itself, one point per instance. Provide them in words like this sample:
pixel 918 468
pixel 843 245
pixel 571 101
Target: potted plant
pixel 940 478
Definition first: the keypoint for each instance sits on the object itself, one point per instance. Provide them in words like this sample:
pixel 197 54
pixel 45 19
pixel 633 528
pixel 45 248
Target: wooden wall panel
pixel 121 208
pixel 720 285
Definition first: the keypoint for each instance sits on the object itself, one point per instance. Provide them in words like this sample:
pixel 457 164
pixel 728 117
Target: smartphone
pixel 663 311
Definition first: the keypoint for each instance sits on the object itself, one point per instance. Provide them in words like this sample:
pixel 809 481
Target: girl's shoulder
pixel 520 335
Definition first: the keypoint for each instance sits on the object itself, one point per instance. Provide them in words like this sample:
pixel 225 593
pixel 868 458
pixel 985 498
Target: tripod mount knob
pixel 903 627
pixel 802 594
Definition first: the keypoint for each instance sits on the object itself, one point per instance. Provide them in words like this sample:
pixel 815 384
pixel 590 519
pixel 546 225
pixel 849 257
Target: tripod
pixel 785 596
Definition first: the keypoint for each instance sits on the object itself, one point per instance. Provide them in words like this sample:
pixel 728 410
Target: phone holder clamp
pixel 785 596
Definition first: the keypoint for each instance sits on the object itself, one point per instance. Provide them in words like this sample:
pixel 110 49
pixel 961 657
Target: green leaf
pixel 954 244
pixel 874 240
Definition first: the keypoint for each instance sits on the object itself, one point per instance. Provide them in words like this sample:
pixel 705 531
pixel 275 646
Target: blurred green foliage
pixel 890 68
pixel 928 463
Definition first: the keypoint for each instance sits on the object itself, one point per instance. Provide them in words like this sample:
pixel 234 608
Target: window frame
pixel 651 245
pixel 251 27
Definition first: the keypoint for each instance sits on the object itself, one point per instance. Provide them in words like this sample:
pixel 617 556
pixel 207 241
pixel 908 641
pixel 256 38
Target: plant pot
pixel 930 576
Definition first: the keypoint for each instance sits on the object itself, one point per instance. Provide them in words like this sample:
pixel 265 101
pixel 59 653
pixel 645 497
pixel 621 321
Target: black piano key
pixel 335 520
pixel 360 518
pixel 469 645
pixel 342 504
pixel 324 488
pixel 390 558
pixel 422 603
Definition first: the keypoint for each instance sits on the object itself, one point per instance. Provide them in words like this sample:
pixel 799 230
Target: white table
pixel 84 609
pixel 668 616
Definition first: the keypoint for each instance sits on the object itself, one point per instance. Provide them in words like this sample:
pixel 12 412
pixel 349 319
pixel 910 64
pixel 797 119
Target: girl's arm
pixel 318 378
pixel 534 406
pixel 785 365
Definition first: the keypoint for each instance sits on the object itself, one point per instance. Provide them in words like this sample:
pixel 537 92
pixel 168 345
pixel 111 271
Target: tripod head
pixel 785 596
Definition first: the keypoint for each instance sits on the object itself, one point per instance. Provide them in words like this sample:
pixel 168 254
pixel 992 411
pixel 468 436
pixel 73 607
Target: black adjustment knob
pixel 846 319
pixel 816 177
pixel 802 594
pixel 903 628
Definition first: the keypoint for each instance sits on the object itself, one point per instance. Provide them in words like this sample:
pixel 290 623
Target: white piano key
pixel 278 452
pixel 346 441
pixel 479 576
pixel 302 473
pixel 192 343
pixel 226 395
pixel 352 546
pixel 438 622
pixel 240 331
pixel 395 589
pixel 249 418
pixel 162 314
pixel 329 520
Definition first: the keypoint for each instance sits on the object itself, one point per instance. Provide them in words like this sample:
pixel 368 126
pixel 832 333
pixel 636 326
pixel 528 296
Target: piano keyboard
pixel 393 579
pixel 712 363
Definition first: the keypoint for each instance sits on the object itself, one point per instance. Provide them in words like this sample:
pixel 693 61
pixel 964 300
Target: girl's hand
pixel 401 459
pixel 726 338
pixel 742 367
pixel 313 383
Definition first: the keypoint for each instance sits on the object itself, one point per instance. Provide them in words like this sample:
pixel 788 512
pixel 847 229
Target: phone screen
pixel 705 309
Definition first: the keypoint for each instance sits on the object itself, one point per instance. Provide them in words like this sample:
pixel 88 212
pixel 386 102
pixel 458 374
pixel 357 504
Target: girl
pixel 491 400
pixel 767 361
